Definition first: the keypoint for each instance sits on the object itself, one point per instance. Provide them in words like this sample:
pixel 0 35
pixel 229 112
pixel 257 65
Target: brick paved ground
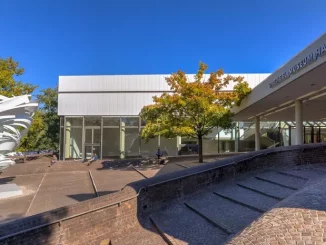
pixel 45 188
pixel 293 200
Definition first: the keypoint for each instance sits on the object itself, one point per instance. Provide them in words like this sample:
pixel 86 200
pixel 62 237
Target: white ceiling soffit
pixel 303 77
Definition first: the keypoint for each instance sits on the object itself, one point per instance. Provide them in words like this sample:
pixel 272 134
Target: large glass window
pixel 73 137
pixel 111 137
pixel 132 142
pixel 111 142
pixel 92 121
pixel 130 121
pixel 111 121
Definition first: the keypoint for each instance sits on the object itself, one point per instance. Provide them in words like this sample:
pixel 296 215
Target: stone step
pixel 180 225
pixel 266 188
pixel 245 197
pixel 306 173
pixel 283 180
pixel 230 216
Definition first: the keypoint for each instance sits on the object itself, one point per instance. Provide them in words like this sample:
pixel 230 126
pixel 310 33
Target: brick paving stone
pixel 266 187
pixel 16 207
pixel 228 214
pixel 108 181
pixel 282 179
pixel 183 226
pixel 61 189
pixel 292 219
pixel 169 168
pixel 149 171
pixel 246 196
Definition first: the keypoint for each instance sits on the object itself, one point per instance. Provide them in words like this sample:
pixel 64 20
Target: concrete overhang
pixel 302 78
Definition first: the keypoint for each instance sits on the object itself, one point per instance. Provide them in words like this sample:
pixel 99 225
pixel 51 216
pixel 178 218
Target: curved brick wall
pixel 122 215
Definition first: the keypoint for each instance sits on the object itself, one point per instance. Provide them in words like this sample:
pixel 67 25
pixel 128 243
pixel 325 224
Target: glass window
pixel 61 143
pixel 132 141
pixel 111 121
pixel 92 121
pixel 74 121
pixel 73 143
pixel 111 142
pixel 130 121
pixel 322 134
pixel 148 147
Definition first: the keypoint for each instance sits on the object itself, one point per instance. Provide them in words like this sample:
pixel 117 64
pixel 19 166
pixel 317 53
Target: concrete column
pixel 122 140
pixel 236 138
pixel 179 140
pixel 257 133
pixel 67 139
pixel 298 122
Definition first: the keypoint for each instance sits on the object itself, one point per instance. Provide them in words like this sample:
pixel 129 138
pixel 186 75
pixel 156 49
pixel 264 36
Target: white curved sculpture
pixel 15 118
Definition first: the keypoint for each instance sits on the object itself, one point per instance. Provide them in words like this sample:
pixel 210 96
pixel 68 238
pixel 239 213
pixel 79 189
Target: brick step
pixel 266 188
pixel 245 197
pixel 282 180
pixel 307 173
pixel 181 226
pixel 230 216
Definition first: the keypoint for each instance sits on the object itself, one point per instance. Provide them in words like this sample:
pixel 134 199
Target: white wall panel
pixel 115 95
pixel 132 82
pixel 103 104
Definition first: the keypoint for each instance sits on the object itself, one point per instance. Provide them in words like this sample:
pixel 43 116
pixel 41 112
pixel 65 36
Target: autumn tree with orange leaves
pixel 195 107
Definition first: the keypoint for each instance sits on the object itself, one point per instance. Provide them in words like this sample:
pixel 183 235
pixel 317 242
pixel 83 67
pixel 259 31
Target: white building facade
pixel 100 114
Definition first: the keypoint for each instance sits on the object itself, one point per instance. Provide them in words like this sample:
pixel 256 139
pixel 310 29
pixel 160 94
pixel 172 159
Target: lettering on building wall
pixel 297 67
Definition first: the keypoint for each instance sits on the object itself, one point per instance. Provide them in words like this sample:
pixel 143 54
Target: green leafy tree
pixel 35 134
pixel 44 131
pixel 9 86
pixel 195 107
pixel 49 106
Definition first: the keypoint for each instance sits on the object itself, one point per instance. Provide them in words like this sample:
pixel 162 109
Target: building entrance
pixel 92 141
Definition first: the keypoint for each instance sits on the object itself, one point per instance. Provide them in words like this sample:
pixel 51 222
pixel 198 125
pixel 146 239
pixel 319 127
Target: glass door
pixel 92 141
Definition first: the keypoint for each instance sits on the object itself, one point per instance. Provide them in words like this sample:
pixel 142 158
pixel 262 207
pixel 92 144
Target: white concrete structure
pixel 99 114
pixel 9 190
pixel 294 92
pixel 15 118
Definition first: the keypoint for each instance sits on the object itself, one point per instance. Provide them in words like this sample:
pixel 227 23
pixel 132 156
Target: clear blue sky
pixel 68 37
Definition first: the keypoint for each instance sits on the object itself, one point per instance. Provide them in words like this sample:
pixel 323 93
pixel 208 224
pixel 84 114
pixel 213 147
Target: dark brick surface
pixel 155 193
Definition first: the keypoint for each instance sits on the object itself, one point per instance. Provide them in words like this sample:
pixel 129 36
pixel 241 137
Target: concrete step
pixel 180 225
pixel 266 188
pixel 231 216
pixel 245 197
pixel 287 181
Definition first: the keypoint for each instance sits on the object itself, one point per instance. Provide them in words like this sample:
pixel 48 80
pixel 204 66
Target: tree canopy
pixel 44 131
pixel 194 107
pixel 9 86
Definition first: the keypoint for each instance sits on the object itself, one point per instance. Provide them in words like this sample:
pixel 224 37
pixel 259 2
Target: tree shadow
pixel 48 232
pixel 6 180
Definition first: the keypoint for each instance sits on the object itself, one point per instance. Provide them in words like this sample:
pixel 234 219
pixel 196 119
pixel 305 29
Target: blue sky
pixel 85 37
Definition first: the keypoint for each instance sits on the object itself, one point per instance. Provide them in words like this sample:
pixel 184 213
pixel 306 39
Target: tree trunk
pixel 200 148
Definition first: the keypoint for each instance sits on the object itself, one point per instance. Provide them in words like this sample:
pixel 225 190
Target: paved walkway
pixel 64 183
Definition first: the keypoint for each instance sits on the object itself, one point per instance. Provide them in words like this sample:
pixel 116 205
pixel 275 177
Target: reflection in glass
pixel 131 141
pixel 111 142
pixel 74 121
pixel 130 121
pixel 111 121
pixel 92 121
